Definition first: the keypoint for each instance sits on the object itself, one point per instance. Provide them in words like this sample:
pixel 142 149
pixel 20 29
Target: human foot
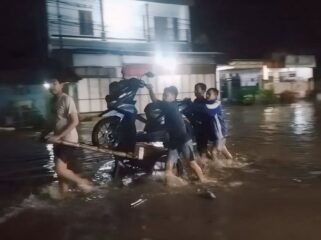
pixel 174 181
pixel 219 164
pixel 208 180
pixel 86 186
pixel 230 163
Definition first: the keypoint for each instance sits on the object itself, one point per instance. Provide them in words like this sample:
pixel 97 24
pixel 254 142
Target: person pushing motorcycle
pixel 179 140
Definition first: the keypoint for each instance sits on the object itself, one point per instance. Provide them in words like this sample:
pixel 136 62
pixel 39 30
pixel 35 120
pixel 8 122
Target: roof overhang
pixel 246 63
pixel 178 2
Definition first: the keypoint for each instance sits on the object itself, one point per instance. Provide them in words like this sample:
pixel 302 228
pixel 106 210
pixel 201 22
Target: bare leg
pixel 170 178
pixel 63 186
pixel 214 153
pixel 226 153
pixel 65 173
pixel 198 171
pixel 229 159
pixel 203 161
pixel 169 168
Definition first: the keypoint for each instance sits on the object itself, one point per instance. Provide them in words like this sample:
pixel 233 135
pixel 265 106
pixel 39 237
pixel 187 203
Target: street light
pixel 168 63
pixel 46 85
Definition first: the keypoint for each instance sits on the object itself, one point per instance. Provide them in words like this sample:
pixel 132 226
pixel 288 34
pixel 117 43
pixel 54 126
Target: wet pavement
pixel 277 196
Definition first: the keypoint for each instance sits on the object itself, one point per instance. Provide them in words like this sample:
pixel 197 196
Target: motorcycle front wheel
pixel 105 132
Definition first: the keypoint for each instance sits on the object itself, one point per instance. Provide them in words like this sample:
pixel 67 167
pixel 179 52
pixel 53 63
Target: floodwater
pixel 277 196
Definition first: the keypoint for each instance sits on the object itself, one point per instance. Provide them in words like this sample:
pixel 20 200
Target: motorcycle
pixel 117 128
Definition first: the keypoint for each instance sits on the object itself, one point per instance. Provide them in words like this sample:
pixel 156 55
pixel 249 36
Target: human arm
pixel 219 122
pixel 151 93
pixel 48 129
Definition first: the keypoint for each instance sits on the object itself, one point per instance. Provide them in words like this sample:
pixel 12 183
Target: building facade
pixel 280 73
pixel 105 40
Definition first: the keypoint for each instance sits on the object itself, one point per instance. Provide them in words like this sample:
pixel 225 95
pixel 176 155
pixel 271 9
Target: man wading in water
pixel 200 122
pixel 63 122
pixel 179 140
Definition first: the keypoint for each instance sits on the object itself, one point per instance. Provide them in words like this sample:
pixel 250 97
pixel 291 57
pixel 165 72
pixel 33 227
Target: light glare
pixel 168 63
pixel 46 85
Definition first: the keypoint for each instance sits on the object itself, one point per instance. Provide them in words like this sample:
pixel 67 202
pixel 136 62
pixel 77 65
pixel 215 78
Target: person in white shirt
pixel 63 123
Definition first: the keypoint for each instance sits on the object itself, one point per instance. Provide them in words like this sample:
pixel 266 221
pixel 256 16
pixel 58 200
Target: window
pixel 175 28
pixel 292 74
pixel 161 28
pixel 86 22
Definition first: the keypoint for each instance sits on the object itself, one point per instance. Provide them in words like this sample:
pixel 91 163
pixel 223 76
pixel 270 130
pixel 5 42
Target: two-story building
pixel 103 39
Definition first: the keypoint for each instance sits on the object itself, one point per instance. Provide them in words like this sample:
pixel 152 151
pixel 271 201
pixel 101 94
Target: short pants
pixel 185 149
pixel 219 144
pixel 201 138
pixel 67 155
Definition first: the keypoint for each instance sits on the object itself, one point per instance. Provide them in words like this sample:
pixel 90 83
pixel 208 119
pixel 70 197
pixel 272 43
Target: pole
pixel 59 24
pixel 97 149
pixel 147 22
pixel 103 32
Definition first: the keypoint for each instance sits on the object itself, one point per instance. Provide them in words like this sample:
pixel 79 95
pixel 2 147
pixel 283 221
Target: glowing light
pixel 168 63
pixel 121 17
pixel 46 85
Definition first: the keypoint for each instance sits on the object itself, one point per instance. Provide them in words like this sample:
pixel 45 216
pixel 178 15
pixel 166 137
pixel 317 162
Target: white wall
pixel 70 16
pixel 98 60
pixel 128 18
pixel 299 84
pixel 304 73
pixel 124 19
pixel 170 11
pixel 301 73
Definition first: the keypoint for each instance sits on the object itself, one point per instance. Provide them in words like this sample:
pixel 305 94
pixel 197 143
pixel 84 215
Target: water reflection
pixel 51 161
pixel 103 175
pixel 271 117
pixel 303 119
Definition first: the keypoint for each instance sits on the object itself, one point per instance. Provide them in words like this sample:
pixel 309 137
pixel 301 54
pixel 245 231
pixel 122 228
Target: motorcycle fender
pixel 113 113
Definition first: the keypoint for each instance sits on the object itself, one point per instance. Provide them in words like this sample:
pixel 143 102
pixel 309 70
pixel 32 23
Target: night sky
pixel 255 28
pixel 240 28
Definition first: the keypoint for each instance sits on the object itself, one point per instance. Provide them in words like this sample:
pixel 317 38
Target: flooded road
pixel 277 196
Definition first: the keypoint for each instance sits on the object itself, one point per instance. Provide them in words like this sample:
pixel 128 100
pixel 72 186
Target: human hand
pixel 53 139
pixel 42 137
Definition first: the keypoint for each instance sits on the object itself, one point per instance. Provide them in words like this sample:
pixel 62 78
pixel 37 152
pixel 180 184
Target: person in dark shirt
pixel 199 91
pixel 179 140
pixel 200 121
pixel 216 129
